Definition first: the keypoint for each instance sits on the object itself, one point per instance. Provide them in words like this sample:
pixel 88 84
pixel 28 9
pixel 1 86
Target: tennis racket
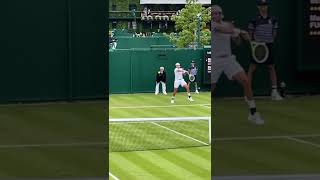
pixel 192 78
pixel 260 51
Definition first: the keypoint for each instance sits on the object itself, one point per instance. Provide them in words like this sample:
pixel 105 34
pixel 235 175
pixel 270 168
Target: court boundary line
pixel 265 137
pixel 84 144
pixel 113 176
pixel 181 134
pixel 168 119
pixel 88 144
pixel 206 106
pixel 164 106
pixel 304 142
pixel 269 177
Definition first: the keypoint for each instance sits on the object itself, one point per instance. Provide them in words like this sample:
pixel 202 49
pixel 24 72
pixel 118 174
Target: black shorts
pixel 270 60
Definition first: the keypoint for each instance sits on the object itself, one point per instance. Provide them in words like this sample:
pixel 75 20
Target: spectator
pixel 161 78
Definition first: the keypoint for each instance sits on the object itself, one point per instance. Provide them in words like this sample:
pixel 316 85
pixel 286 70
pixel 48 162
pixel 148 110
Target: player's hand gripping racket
pixel 260 51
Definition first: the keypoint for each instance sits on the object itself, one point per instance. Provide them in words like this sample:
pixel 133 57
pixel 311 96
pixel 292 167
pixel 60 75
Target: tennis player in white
pixel 179 81
pixel 223 61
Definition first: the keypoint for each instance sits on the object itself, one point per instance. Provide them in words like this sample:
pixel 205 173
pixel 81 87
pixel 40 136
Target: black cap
pixel 262 2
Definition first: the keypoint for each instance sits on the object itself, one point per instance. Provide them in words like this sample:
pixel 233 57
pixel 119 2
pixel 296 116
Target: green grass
pixel 174 164
pixel 292 117
pixel 54 123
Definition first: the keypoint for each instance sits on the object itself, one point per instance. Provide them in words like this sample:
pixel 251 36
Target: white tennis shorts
pixel 180 82
pixel 227 65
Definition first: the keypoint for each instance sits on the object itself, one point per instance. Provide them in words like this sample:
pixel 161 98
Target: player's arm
pixel 274 34
pixel 226 28
pixel 236 40
pixel 251 29
pixel 275 28
pixel 181 70
pixel 238 36
pixel 157 77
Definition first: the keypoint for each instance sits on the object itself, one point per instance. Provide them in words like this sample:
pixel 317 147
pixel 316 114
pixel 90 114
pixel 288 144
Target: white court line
pixel 52 145
pixel 289 137
pixel 113 176
pixel 206 106
pixel 304 142
pixel 270 177
pixel 144 107
pixel 180 134
pixel 158 119
pixel 265 137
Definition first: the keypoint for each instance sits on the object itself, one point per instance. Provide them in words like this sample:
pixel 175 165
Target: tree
pixel 186 25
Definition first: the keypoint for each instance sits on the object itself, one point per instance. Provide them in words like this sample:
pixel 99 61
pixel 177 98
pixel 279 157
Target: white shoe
pixel 276 96
pixel 164 93
pixel 156 93
pixel 197 92
pixel 172 101
pixel 190 99
pixel 256 118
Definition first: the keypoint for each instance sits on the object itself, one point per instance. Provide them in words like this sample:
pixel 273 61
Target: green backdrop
pixel 134 70
pixel 52 50
pixel 141 42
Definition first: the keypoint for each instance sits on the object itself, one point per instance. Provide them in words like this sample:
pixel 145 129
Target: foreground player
pixel 225 62
pixel 179 81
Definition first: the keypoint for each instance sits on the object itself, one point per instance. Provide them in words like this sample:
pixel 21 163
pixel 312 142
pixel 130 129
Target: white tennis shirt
pixel 221 43
pixel 178 75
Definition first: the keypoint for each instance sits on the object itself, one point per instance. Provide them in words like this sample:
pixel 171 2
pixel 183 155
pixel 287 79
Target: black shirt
pixel 263 28
pixel 161 77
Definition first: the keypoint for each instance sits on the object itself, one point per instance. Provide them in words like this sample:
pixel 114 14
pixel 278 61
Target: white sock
pixel 274 88
pixel 251 103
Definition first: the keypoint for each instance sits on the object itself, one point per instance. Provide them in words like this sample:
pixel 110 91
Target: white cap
pixel 161 68
pixel 177 64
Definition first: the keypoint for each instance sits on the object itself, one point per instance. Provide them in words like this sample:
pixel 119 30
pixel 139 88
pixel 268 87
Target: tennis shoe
pixel 172 101
pixel 275 96
pixel 197 92
pixel 164 93
pixel 190 99
pixel 256 118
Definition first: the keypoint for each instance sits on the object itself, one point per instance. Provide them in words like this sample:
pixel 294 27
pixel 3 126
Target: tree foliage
pixel 186 24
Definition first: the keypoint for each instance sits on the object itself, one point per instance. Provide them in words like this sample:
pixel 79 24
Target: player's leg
pixel 185 85
pixel 252 69
pixel 157 88
pixel 234 71
pixel 273 77
pixel 242 78
pixel 175 91
pixel 196 86
pixel 164 91
pixel 218 66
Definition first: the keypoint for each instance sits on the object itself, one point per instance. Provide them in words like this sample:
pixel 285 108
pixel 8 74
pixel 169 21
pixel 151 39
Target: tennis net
pixel 140 134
